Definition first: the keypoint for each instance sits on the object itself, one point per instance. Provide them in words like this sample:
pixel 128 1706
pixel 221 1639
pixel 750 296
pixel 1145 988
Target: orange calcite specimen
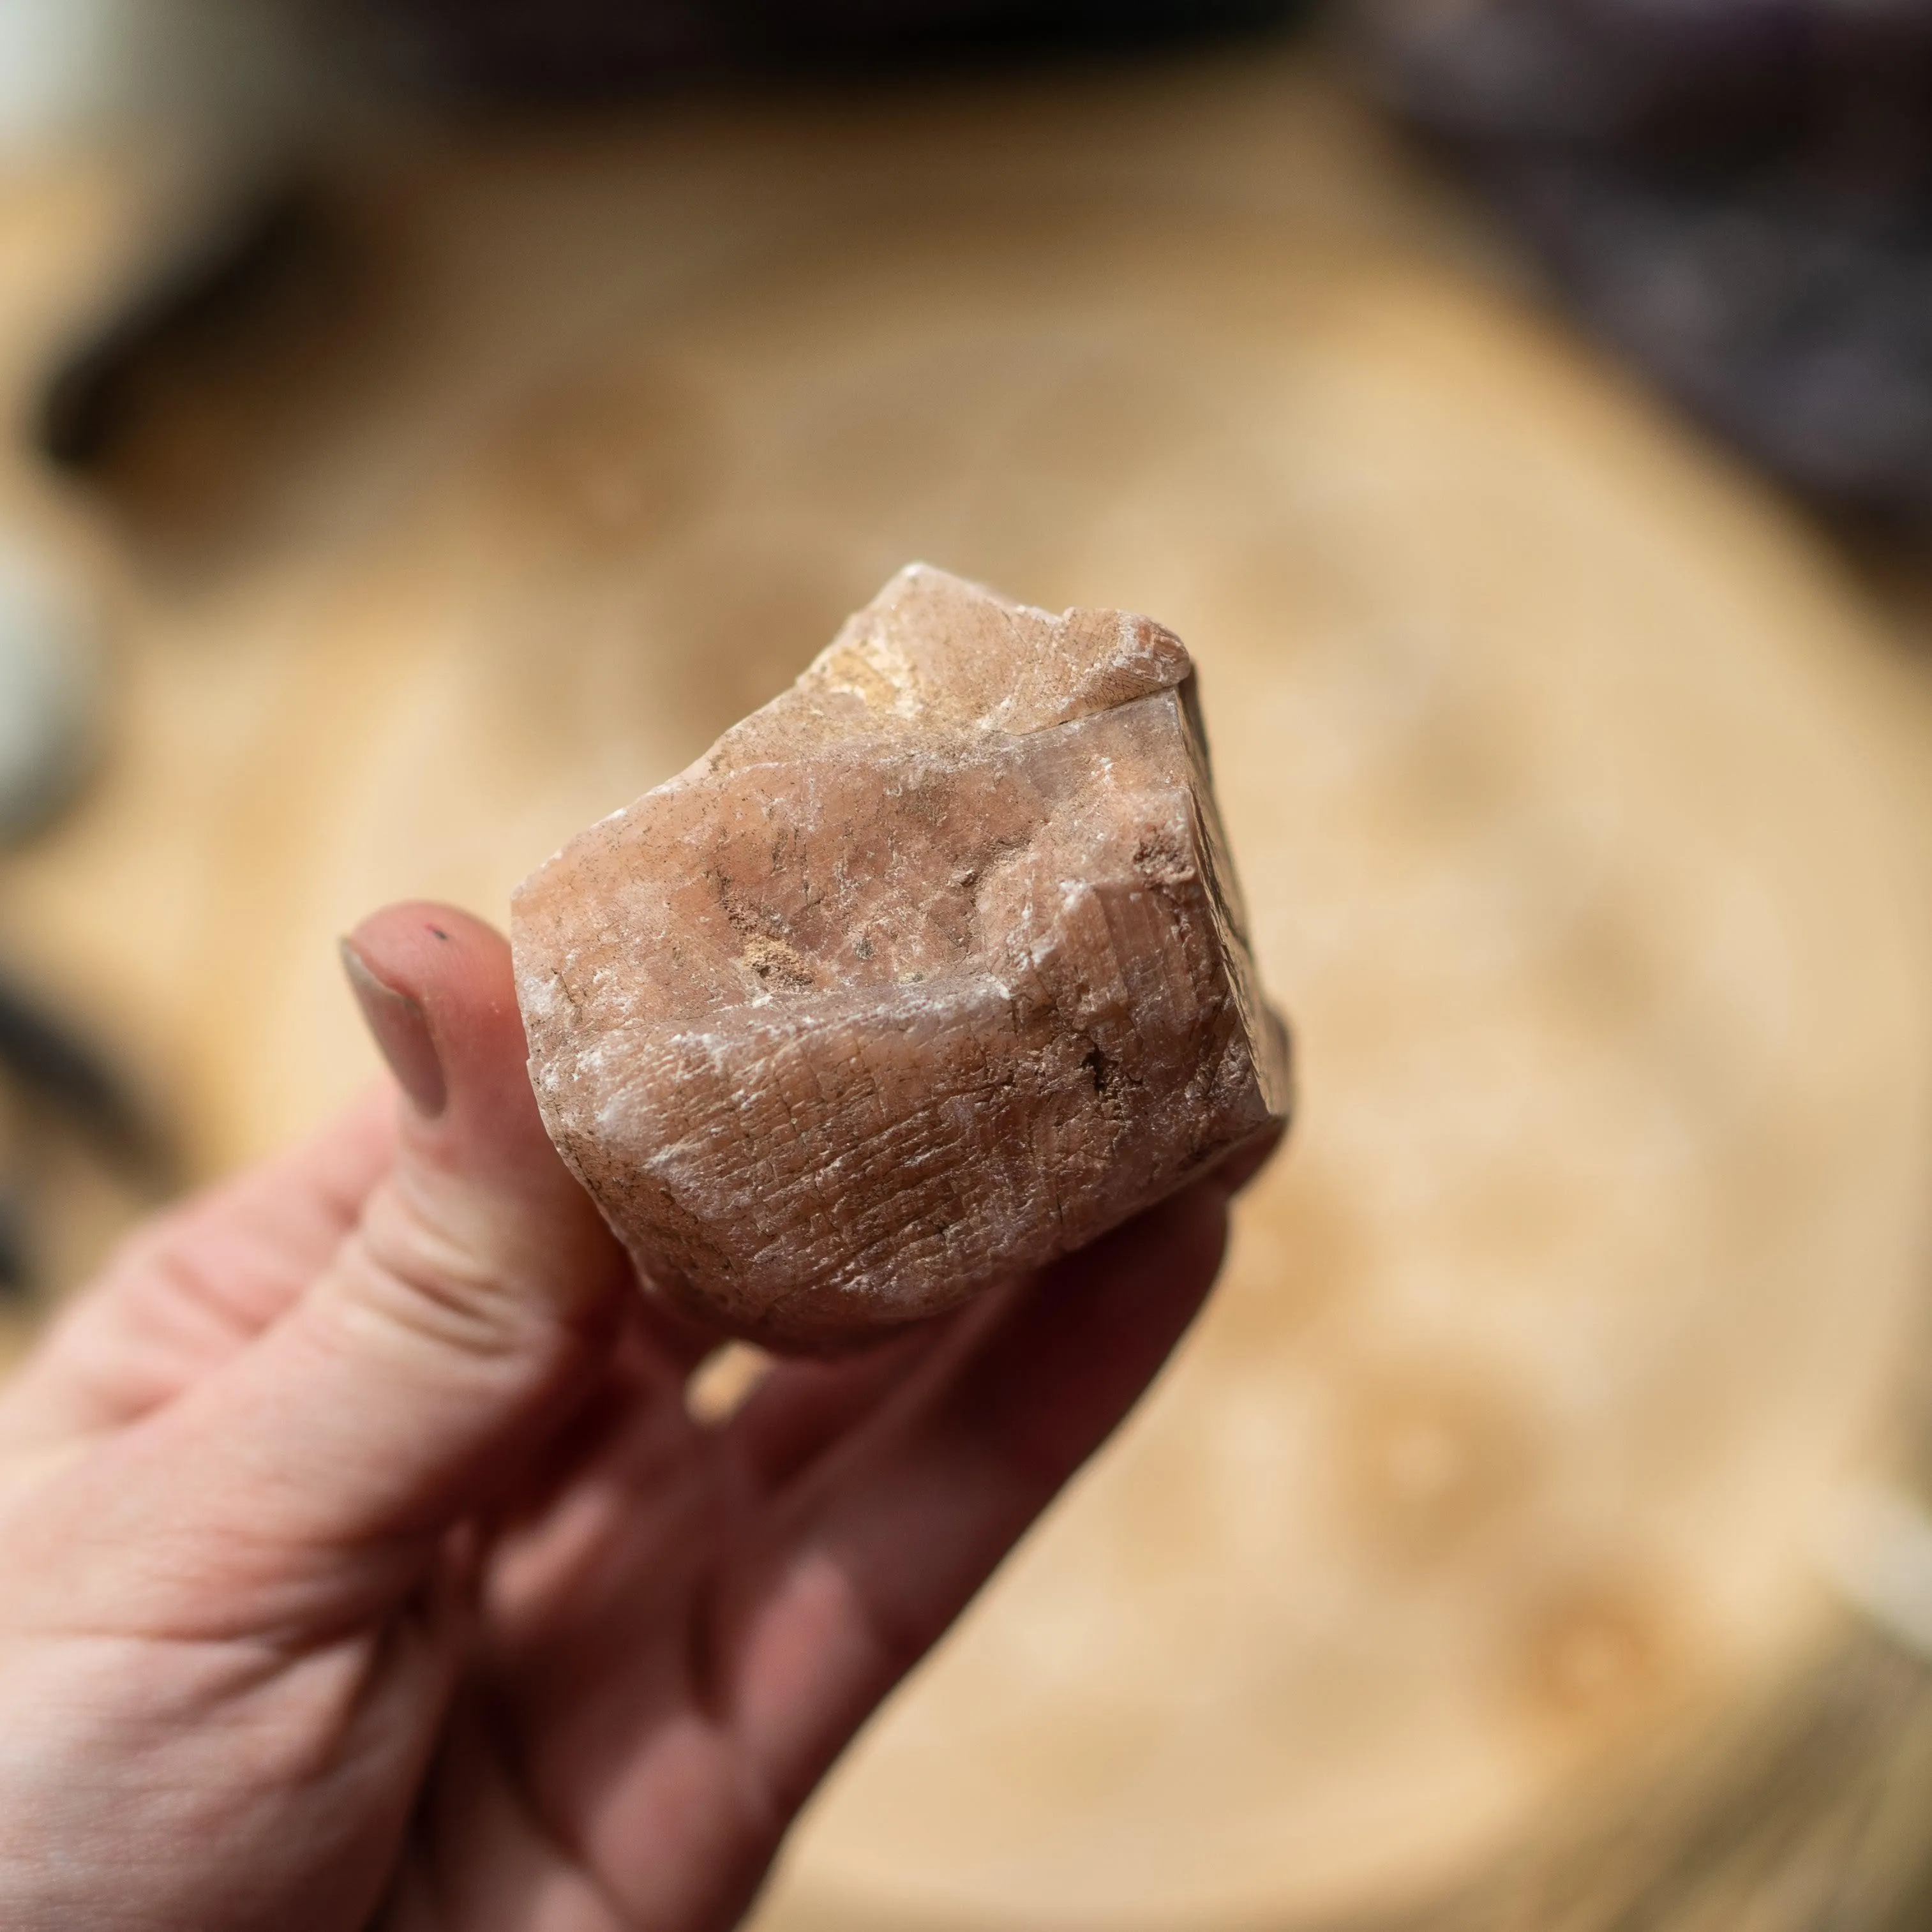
pixel 931 971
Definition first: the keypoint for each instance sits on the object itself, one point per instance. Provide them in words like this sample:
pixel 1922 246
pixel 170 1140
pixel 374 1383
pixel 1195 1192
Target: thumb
pixel 464 1312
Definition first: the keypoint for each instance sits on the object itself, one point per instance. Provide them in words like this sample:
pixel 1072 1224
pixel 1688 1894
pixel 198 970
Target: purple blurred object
pixel 1737 194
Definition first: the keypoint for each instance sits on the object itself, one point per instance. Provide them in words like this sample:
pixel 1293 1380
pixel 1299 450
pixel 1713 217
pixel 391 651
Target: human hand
pixel 364 1566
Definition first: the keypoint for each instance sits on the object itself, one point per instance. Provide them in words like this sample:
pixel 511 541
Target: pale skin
pixel 361 1565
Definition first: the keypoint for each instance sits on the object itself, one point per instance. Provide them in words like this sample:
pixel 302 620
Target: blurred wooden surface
pixel 1578 793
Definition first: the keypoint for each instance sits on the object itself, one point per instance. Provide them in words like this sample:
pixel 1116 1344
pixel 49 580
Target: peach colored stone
pixel 931 971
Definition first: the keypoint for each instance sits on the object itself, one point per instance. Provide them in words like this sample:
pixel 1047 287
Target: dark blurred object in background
pixel 579 48
pixel 1735 193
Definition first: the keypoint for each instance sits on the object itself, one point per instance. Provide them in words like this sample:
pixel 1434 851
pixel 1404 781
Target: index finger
pixel 847 1576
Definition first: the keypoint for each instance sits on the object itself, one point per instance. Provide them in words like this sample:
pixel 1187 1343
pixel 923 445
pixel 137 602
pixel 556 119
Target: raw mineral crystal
pixel 931 971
